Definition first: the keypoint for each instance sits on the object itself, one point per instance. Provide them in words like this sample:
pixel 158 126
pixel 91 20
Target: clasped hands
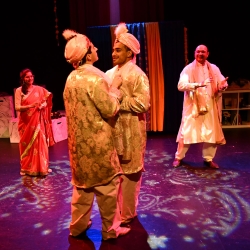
pixel 117 81
pixel 40 105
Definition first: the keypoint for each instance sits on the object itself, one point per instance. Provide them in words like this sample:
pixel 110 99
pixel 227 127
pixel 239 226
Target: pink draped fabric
pixel 36 134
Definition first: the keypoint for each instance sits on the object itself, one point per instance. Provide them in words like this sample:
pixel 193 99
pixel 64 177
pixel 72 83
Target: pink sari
pixel 36 134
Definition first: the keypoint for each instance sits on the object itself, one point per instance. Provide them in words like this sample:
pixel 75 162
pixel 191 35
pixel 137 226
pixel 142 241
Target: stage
pixel 190 207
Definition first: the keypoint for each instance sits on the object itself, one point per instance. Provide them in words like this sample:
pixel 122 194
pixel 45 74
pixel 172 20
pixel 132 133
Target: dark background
pixel 28 38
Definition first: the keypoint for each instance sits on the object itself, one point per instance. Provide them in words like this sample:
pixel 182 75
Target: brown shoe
pixel 211 164
pixel 121 231
pixel 177 163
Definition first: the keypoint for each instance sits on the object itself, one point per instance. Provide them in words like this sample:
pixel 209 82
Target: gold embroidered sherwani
pixel 130 134
pixel 87 99
pixel 130 123
pixel 196 128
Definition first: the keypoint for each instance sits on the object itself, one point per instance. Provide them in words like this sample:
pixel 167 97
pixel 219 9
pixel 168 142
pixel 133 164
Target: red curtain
pixel 133 11
pixel 86 13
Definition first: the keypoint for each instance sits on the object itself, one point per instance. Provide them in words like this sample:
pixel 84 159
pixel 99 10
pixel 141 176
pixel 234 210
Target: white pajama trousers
pixel 208 150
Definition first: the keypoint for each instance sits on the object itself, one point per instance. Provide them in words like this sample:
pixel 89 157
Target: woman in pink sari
pixel 34 104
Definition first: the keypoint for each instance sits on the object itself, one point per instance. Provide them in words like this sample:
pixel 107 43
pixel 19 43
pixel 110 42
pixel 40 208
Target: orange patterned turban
pixel 126 38
pixel 76 47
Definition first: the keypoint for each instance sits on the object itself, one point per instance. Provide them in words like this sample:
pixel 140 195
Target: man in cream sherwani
pixel 202 84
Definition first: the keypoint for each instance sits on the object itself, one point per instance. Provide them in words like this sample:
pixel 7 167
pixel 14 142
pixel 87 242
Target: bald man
pixel 202 84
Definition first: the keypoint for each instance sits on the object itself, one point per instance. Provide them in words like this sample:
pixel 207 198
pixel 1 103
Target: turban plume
pixel 126 38
pixel 76 47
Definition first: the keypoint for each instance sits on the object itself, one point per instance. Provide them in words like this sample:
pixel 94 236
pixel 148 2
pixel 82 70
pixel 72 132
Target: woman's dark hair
pixel 22 82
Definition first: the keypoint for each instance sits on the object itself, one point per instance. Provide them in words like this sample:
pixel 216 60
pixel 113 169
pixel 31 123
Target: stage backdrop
pixel 162 58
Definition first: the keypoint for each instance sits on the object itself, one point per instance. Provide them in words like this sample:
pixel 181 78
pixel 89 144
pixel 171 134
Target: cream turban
pixel 76 47
pixel 126 38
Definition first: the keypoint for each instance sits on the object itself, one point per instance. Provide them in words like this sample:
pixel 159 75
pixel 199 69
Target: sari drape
pixel 35 132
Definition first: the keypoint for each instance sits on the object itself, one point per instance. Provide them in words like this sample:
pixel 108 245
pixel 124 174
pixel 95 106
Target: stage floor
pixel 191 207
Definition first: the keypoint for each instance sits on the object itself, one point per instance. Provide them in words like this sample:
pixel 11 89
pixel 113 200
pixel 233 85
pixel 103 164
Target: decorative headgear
pixel 126 38
pixel 76 47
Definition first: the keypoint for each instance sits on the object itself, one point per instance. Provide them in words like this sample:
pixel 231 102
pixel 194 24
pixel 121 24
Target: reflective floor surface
pixel 190 207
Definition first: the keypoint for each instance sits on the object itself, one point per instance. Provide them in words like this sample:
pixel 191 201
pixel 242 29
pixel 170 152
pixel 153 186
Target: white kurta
pixel 202 128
